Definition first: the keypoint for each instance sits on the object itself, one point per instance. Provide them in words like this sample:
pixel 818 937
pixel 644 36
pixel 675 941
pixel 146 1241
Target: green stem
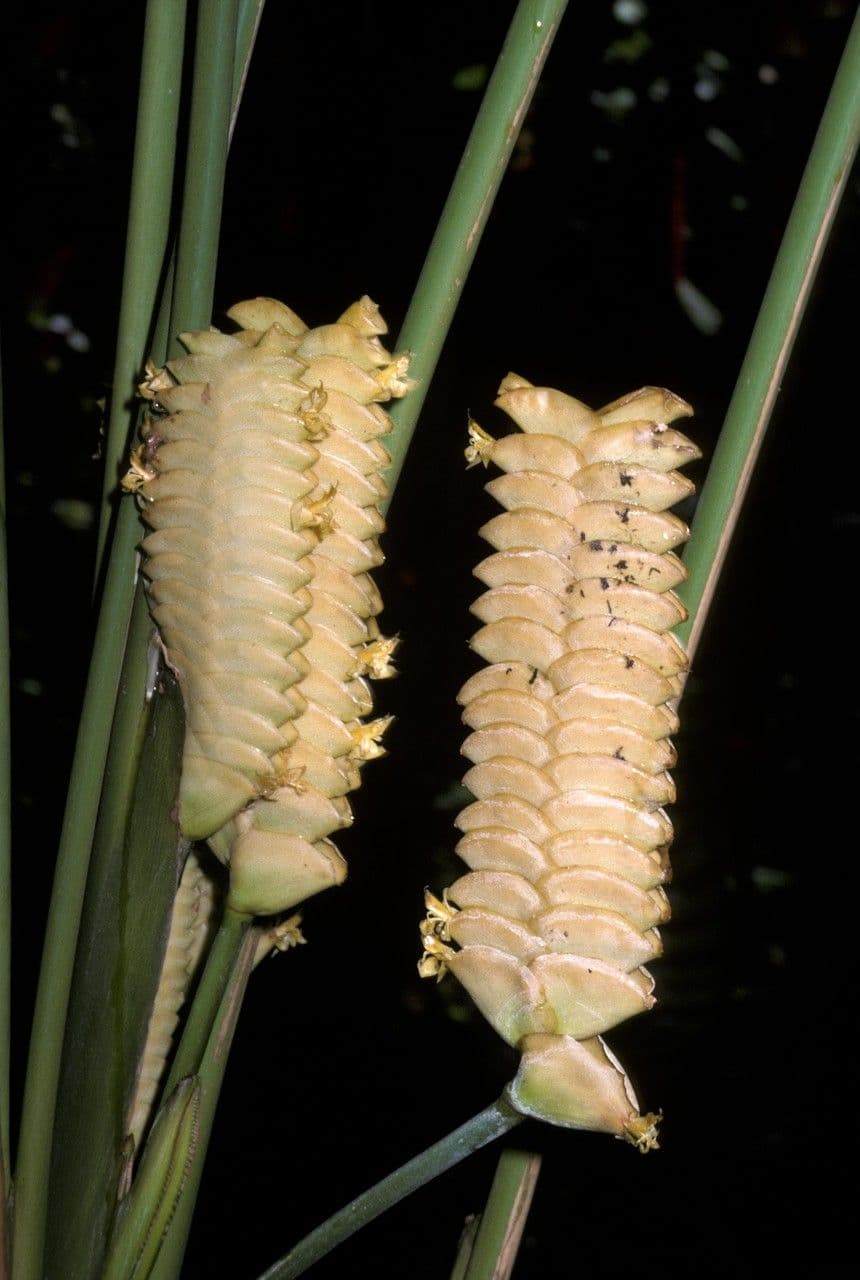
pixel 70 877
pixel 492 1123
pixel 776 328
pixel 211 104
pixel 225 955
pixel 149 210
pixel 503 1220
pixel 148 227
pixel 465 1246
pixel 193 295
pixel 247 26
pixel 211 1074
pixel 5 865
pixel 468 207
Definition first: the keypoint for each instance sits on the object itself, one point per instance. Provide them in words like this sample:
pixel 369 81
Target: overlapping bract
pixel 261 479
pixel 567 838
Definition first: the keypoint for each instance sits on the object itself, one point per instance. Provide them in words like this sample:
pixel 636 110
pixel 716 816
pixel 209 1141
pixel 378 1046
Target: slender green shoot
pixel 211 106
pixel 470 200
pixel 504 1218
pixel 211 1074
pixel 496 1120
pixel 770 346
pixel 148 229
pixel 464 1248
pixel 5 863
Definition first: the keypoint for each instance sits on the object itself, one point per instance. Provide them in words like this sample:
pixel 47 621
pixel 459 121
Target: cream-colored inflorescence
pixel 570 723
pixel 260 477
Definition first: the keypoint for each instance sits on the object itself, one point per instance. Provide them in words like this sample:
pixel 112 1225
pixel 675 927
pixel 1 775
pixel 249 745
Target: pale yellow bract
pixel 567 839
pixel 260 478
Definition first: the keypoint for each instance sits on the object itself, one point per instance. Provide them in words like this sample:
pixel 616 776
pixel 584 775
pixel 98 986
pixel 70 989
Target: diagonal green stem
pixel 468 207
pixel 496 1120
pixel 770 346
pixel 148 225
pixel 504 1218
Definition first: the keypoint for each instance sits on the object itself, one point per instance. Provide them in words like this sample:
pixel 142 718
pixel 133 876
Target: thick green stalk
pixel 194 288
pixel 149 210
pixel 148 227
pixel 468 207
pixel 772 339
pixel 492 1123
pixel 5 864
pixel 211 104
pixel 211 1074
pixel 504 1218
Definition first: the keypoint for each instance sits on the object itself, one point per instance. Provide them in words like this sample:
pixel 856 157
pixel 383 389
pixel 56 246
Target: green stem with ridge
pixel 470 201
pixel 773 336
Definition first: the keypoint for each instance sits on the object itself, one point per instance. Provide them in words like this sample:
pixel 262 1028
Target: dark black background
pixel 345 1063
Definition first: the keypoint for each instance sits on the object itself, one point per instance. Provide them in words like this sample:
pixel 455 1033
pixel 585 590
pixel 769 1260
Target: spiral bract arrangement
pixel 260 475
pixel 567 838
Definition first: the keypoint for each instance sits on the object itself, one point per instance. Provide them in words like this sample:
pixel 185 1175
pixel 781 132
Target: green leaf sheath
pixel 770 346
pixel 145 1215
pixel 99 701
pixel 496 1120
pixel 70 878
pixel 470 200
pixel 168 1265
